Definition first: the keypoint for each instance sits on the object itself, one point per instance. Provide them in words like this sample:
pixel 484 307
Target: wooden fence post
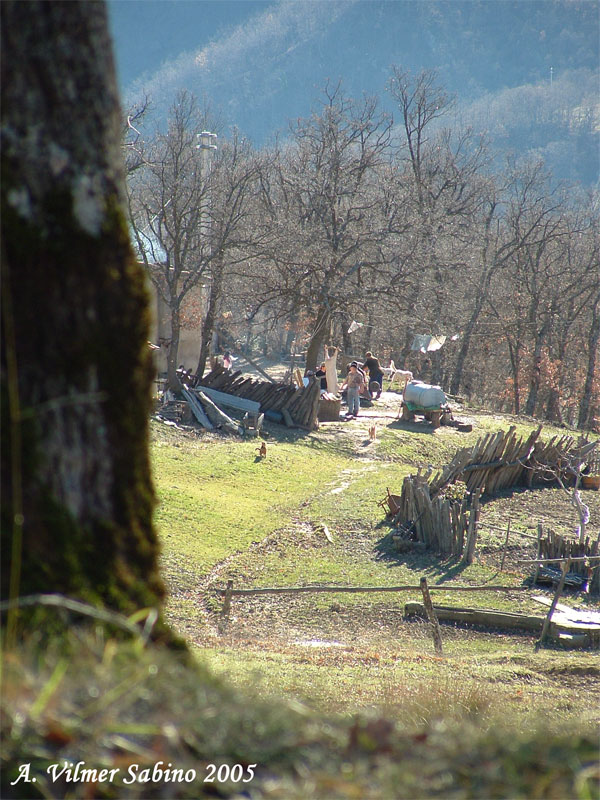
pixel 505 546
pixel 537 553
pixel 225 611
pixel 435 625
pixel 469 551
pixel 545 627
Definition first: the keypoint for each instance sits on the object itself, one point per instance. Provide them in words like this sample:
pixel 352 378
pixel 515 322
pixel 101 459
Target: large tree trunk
pixel 515 363
pixel 208 328
pixel 536 371
pixel 77 497
pixel 320 333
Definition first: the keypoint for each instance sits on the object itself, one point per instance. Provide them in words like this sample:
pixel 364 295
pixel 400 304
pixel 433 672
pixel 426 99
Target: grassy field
pixel 324 696
pixel 226 514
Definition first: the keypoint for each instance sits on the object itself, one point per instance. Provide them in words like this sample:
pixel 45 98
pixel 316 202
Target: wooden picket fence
pixel 444 525
pixel 583 556
pixel 503 460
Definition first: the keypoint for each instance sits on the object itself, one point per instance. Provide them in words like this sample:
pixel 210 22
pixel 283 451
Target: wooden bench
pixel 250 407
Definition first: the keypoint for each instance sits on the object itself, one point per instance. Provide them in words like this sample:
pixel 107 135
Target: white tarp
pixel 424 395
pixel 355 326
pixel 427 344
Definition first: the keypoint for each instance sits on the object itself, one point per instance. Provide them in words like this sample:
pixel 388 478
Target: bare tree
pixel 133 137
pixel 322 208
pixel 233 234
pixel 170 201
pixel 448 191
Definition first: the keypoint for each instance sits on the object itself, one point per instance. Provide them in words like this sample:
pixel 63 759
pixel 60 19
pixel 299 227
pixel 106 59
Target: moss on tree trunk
pixel 77 496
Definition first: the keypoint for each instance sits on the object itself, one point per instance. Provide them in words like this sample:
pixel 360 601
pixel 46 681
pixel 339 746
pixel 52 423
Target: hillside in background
pixel 524 71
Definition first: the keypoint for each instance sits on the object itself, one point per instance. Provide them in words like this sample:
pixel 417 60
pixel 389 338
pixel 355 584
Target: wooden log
pixel 218 417
pixel 258 391
pixel 557 560
pixel 479 616
pixel 358 589
pixel 223 379
pixel 283 395
pixel 268 395
pixel 293 400
pixel 433 620
pixel 469 551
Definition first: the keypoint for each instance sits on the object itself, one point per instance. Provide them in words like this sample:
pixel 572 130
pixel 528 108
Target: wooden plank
pixel 576 615
pixel 230 400
pixel 197 410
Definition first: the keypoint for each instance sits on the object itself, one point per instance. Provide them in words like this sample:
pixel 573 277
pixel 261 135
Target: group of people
pixel 362 379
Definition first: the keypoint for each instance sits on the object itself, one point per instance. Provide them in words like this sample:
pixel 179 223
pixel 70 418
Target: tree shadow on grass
pixel 425 562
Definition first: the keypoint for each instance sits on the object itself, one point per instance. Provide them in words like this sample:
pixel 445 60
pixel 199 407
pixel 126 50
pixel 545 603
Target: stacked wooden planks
pixel 440 523
pixel 298 407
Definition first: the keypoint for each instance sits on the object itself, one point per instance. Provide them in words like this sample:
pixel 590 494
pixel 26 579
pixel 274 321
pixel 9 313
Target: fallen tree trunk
pixel 219 418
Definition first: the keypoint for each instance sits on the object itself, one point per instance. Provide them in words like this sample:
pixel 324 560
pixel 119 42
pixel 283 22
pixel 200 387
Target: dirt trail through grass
pixel 308 514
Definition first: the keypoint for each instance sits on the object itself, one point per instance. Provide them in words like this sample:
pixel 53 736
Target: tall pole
pixel 207 146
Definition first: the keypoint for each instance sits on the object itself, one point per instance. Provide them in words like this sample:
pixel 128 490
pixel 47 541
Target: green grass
pixel 379 717
pixel 281 504
pixel 216 499
pixel 113 705
pixel 415 687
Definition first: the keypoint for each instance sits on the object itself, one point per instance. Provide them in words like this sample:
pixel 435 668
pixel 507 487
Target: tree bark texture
pixel 77 496
pixel 320 334
pixel 208 327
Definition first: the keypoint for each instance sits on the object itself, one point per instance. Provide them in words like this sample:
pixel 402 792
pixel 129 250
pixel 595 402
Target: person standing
pixel 375 374
pixel 321 374
pixel 353 384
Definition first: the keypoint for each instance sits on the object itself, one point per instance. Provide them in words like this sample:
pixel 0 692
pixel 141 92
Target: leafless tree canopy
pixel 407 225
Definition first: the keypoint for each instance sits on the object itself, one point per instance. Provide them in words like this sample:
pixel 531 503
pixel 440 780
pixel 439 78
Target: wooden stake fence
pixel 230 592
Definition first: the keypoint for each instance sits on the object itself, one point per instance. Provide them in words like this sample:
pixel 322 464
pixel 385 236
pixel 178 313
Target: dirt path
pixel 280 622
